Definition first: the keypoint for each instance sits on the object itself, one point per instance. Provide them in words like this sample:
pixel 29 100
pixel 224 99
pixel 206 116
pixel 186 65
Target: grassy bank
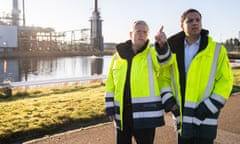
pixel 29 114
pixel 33 113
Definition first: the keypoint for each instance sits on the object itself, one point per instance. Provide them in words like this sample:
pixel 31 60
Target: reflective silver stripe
pixel 193 120
pixel 115 57
pixel 164 56
pixel 115 61
pixel 178 119
pixel 174 84
pixel 209 121
pixel 166 97
pixel 187 119
pixel 117 116
pixel 116 103
pixel 109 104
pixel 190 105
pixel 211 106
pixel 147 114
pixel 150 73
pixel 213 71
pixel 165 89
pixel 196 121
pixel 146 99
pixel 218 98
pixel 109 95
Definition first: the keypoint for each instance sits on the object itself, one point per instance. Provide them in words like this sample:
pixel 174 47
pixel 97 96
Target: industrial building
pixel 15 35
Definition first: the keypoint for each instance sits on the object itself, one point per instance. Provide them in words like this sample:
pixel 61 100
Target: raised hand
pixel 161 37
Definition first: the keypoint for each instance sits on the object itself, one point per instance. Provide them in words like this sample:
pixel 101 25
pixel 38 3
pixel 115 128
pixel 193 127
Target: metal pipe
pixel 96 6
pixel 23 4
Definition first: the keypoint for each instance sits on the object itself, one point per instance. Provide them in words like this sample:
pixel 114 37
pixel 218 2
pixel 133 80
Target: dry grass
pixel 236 74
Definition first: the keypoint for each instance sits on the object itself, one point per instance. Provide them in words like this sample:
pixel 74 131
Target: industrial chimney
pixel 96 29
pixel 15 13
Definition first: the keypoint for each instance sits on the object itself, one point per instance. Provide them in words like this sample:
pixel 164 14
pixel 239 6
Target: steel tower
pixel 96 29
pixel 15 13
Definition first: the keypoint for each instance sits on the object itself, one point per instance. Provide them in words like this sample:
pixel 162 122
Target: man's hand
pixel 175 107
pixel 175 110
pixel 111 118
pixel 160 37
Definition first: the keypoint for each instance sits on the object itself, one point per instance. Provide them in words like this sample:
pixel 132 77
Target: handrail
pixel 54 81
pixel 6 87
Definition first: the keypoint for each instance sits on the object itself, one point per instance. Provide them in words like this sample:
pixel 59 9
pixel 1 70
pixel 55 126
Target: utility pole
pixel 15 13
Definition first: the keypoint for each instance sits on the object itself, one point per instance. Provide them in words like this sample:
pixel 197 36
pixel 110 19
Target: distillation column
pixel 96 29
pixel 15 13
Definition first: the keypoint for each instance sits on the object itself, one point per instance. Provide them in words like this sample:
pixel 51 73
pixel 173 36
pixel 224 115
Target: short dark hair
pixel 183 17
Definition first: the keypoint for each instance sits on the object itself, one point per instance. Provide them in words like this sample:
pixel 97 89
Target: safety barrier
pixel 7 86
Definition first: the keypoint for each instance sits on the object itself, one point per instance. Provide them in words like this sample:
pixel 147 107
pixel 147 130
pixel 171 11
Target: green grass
pixel 42 111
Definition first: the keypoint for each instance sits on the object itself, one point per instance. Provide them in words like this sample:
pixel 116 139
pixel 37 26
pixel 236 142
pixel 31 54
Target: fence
pixel 7 86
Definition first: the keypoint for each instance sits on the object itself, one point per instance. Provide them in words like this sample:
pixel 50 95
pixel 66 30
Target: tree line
pixel 232 44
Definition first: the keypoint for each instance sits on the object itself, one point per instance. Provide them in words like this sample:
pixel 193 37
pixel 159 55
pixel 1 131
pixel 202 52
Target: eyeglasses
pixel 140 32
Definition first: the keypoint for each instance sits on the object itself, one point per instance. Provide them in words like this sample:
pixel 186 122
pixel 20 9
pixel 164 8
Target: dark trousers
pixel 194 141
pixel 142 136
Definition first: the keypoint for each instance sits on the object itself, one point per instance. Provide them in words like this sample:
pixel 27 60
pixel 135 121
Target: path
pixel 228 132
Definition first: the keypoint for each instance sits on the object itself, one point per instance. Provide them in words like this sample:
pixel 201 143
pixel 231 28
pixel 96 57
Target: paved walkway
pixel 228 131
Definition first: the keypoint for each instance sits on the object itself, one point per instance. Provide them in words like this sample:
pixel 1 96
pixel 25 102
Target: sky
pixel 220 17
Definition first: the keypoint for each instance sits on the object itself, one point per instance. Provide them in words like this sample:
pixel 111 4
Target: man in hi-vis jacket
pixel 199 81
pixel 133 98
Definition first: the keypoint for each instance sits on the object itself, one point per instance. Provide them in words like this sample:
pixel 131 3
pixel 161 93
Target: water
pixel 30 69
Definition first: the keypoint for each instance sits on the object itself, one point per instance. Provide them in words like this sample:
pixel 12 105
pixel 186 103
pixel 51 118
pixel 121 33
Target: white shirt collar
pixel 196 43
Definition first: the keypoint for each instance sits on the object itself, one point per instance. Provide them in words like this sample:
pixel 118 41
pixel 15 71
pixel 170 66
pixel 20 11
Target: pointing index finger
pixel 161 29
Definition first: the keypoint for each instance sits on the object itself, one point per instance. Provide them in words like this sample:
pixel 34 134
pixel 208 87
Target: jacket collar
pixel 179 37
pixel 125 49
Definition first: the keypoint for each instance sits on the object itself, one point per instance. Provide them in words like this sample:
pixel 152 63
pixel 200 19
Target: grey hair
pixel 139 22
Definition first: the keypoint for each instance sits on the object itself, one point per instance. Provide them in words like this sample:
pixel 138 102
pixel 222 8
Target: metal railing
pixel 55 81
pixel 7 86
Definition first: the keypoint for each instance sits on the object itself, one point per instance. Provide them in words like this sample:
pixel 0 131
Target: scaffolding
pixel 38 39
pixel 32 39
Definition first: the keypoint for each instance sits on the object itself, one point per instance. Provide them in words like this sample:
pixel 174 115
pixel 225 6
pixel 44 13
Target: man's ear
pixel 181 26
pixel 130 34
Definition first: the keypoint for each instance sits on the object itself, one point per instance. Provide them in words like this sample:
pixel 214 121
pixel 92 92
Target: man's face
pixel 139 35
pixel 192 24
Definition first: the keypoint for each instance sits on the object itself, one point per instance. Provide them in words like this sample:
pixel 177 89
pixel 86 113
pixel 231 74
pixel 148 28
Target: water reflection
pixel 96 66
pixel 30 69
pixel 9 70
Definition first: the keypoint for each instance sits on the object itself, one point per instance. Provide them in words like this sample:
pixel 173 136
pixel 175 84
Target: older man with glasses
pixel 133 100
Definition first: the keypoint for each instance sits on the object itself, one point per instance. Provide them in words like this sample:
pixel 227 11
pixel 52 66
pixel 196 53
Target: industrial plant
pixel 16 36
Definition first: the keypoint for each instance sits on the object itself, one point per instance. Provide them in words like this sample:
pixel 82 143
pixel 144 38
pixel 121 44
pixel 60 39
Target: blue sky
pixel 221 17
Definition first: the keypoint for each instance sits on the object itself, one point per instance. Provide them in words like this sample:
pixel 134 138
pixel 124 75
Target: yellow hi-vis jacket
pixel 209 82
pixel 147 110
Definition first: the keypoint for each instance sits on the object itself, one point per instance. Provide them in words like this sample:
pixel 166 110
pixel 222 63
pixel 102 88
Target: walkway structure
pixel 35 39
pixel 228 130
